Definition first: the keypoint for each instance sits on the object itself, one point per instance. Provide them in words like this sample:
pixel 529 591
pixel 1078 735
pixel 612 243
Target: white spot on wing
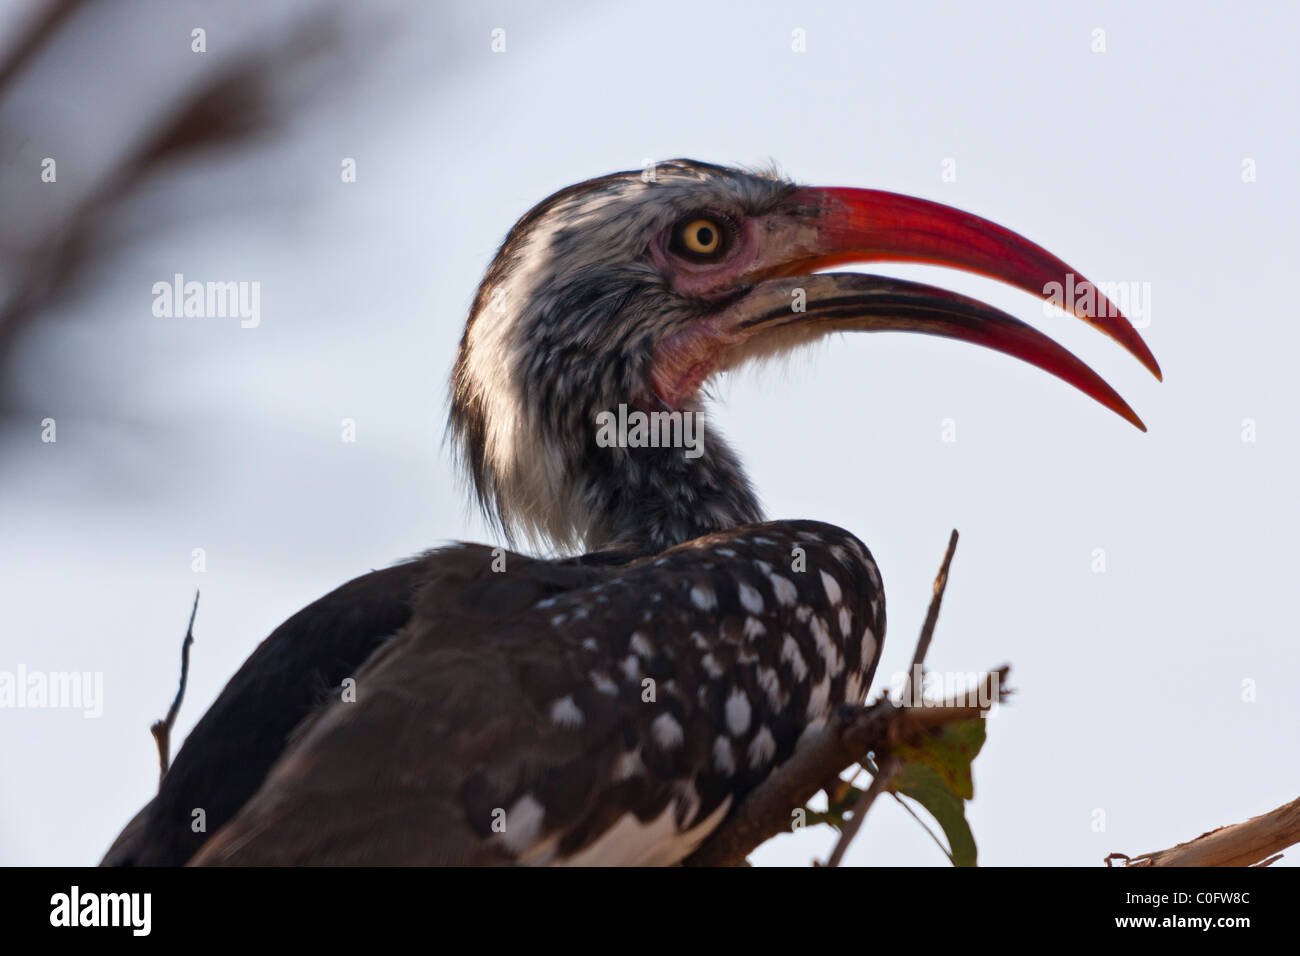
pixel 711 665
pixel 724 760
pixel 827 647
pixel 667 732
pixel 790 653
pixel 738 712
pixel 603 684
pixel 523 824
pixel 631 667
pixel 819 700
pixel 770 681
pixel 832 587
pixel 703 598
pixel 566 713
pixel 762 747
pixel 750 599
pixel 629 765
pixel 869 646
pixel 853 690
pixel 786 592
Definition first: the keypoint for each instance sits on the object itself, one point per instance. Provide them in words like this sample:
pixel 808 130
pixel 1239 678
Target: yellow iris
pixel 702 236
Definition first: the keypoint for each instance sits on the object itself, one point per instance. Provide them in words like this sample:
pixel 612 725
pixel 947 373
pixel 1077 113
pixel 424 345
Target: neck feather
pixel 654 498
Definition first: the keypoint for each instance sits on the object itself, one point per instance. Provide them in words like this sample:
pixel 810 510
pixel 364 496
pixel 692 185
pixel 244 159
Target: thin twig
pixel 162 729
pixel 892 765
pixel 889 769
pixel 931 618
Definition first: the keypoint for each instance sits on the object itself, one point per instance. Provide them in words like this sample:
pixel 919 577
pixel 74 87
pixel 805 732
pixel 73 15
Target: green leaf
pixel 924 784
pixel 949 753
pixel 936 774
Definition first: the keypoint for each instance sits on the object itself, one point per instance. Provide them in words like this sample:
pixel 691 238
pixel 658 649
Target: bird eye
pixel 699 238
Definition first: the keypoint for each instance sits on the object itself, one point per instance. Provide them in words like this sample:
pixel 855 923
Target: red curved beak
pixel 781 305
pixel 867 225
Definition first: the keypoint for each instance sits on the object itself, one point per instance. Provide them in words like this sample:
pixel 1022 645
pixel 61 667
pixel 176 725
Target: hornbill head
pixel 636 288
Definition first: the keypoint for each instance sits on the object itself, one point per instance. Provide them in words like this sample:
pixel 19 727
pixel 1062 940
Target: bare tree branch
pixel 931 616
pixel 1257 842
pixel 162 729
pixel 889 769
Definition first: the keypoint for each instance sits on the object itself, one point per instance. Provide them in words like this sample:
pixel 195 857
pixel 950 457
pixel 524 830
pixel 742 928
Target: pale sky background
pixel 175 434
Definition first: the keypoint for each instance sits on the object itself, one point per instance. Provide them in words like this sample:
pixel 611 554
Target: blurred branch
pixel 215 102
pixel 44 24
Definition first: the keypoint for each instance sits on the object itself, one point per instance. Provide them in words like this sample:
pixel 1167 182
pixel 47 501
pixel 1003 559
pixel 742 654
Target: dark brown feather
pixel 453 719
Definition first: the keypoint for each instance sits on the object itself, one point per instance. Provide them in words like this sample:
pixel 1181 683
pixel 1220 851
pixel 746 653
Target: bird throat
pixel 653 497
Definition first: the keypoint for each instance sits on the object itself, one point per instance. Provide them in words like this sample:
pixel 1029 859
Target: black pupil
pixel 704 236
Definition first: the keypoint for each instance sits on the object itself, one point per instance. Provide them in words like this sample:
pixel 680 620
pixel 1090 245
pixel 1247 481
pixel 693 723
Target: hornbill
pixel 611 707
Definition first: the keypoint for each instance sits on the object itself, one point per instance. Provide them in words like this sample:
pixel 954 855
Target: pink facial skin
pixel 685 360
pixel 713 279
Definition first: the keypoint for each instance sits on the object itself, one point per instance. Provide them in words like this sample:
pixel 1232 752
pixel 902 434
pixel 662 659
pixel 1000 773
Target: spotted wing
pixel 615 721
